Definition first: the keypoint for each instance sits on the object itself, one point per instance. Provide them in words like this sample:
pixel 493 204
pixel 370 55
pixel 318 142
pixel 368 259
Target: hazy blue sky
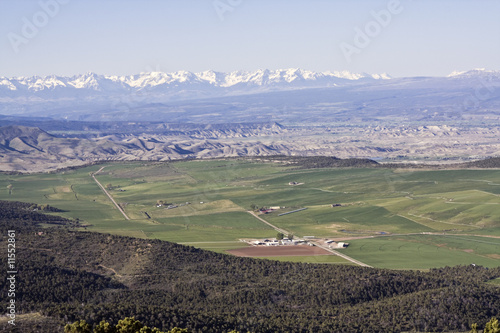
pixel 421 37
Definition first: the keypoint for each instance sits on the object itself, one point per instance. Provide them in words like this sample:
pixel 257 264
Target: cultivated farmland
pixel 392 218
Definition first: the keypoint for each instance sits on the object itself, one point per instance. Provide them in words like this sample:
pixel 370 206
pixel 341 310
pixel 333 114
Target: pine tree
pixel 78 327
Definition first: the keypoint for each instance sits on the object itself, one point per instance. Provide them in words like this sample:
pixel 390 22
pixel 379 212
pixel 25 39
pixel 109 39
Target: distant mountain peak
pixel 474 73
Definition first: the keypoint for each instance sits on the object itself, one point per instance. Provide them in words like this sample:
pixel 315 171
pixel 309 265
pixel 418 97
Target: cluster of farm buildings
pixel 276 242
pixel 281 242
pixel 287 242
pixel 265 210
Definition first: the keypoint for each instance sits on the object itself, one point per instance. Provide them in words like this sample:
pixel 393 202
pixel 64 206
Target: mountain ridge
pixel 146 80
pixel 31 149
pixel 28 149
pixel 291 96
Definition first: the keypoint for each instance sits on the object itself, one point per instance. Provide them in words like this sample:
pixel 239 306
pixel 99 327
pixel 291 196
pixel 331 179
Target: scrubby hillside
pixel 493 162
pixel 68 275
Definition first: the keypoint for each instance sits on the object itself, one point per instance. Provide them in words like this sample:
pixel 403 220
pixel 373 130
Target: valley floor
pixel 391 218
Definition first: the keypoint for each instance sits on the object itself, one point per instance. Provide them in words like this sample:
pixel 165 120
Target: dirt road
pixel 109 195
pixel 284 232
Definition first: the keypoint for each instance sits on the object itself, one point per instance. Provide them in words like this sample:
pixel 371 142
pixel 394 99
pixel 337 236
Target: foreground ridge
pixel 168 285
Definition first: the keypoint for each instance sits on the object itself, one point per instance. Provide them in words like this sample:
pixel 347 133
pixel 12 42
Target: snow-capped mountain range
pixel 155 80
pixel 476 73
pixel 245 96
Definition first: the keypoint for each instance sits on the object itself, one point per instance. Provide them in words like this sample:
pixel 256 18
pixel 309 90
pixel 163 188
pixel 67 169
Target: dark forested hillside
pixel 313 162
pixel 69 275
pixel 22 214
pixel 493 162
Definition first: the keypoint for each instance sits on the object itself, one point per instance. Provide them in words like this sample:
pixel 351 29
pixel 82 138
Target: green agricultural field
pixel 357 219
pixel 229 226
pixel 425 251
pixel 212 197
